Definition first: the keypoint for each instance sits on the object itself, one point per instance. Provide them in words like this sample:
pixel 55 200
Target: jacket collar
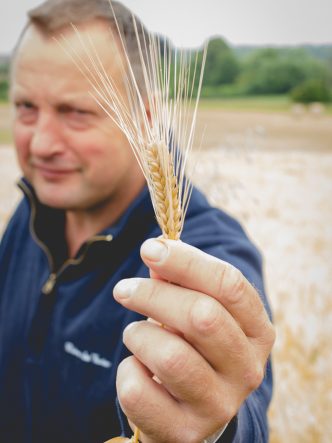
pixel 47 226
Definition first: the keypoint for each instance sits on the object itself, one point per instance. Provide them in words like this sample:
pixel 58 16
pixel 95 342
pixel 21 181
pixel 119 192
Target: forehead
pixel 38 52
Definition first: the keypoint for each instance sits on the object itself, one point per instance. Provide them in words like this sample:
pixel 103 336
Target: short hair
pixel 52 15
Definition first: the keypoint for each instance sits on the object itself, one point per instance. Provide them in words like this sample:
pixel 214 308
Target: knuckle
pixel 205 316
pixel 173 360
pixel 129 389
pixel 235 294
pixel 232 284
pixel 254 378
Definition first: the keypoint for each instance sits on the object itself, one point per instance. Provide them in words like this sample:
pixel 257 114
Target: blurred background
pixel 266 157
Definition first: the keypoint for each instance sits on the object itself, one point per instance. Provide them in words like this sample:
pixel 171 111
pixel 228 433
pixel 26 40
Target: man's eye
pixel 26 111
pixel 69 110
pixel 81 111
pixel 75 118
pixel 25 105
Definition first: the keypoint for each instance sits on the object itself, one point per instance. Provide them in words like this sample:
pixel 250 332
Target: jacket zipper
pixel 54 276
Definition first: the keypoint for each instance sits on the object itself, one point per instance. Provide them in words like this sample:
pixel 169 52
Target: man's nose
pixel 47 138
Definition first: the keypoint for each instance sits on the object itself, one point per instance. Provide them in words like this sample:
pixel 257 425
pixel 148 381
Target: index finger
pixel 184 265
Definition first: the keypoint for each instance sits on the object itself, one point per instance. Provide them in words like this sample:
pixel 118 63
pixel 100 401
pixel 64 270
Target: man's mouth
pixel 54 172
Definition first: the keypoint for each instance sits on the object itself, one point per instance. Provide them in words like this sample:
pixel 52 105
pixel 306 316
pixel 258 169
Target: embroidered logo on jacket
pixel 86 356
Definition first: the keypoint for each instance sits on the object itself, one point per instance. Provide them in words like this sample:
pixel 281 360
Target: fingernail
pixel 154 250
pixel 125 288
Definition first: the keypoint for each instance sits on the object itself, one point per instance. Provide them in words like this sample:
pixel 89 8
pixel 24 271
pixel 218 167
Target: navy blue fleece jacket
pixel 61 330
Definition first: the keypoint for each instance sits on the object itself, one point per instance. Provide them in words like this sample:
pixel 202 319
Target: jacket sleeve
pixel 227 240
pixel 10 241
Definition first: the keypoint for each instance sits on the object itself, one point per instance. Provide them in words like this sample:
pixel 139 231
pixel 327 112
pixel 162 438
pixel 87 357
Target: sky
pixel 189 22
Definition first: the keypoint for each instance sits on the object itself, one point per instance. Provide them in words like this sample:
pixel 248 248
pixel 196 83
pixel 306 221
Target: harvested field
pixel 274 173
pixel 301 129
pixel 284 201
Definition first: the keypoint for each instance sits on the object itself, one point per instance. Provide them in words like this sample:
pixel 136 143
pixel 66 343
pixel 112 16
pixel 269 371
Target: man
pixel 76 236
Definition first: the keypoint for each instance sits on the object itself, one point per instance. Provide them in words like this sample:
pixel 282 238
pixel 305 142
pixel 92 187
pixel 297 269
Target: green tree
pixel 312 90
pixel 222 66
pixel 280 70
pixel 3 90
pixel 4 78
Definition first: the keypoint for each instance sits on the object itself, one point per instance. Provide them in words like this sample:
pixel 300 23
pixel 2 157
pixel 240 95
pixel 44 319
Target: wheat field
pixel 274 173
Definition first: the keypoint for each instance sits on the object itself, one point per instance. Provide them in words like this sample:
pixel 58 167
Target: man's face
pixel 68 148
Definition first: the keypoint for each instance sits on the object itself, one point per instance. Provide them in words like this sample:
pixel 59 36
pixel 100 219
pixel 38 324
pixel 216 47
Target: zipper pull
pixel 49 285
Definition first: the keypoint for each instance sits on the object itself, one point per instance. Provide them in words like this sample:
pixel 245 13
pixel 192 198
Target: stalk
pixel 155 139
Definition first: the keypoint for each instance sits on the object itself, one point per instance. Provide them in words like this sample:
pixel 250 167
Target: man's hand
pixel 209 356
